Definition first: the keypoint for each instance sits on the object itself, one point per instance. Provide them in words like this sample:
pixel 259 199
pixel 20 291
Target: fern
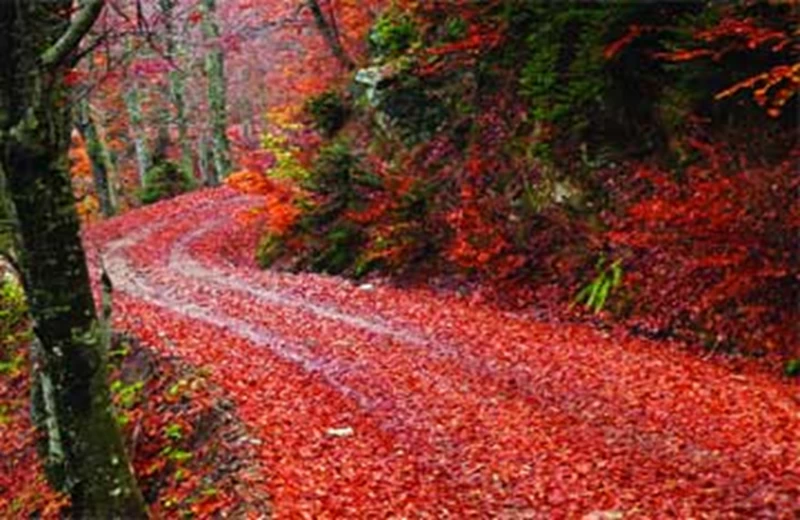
pixel 595 295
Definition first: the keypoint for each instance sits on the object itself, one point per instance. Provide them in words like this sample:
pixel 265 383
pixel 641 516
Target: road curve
pixel 378 402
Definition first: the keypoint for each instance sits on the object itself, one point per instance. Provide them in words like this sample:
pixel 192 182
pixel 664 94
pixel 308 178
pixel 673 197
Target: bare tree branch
pixel 91 47
pixel 330 32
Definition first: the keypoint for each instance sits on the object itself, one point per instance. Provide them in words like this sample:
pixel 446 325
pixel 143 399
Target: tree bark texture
pixel 177 84
pixel 215 76
pixel 94 148
pixel 136 126
pixel 35 124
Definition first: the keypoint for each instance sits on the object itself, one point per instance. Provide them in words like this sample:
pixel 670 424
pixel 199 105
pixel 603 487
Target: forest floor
pixel 376 401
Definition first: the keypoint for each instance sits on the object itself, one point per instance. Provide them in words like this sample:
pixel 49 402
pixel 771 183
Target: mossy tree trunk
pixel 215 75
pixel 109 161
pixel 204 161
pixel 97 156
pixel 136 126
pixel 38 44
pixel 177 84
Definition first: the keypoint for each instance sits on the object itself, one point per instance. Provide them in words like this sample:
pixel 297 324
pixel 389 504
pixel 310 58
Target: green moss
pixel 13 309
pixel 6 224
pixel 564 75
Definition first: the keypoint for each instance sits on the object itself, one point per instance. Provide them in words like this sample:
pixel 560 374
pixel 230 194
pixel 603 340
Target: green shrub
pixel 333 242
pixel 337 172
pixel 413 109
pixel 325 239
pixel 329 112
pixel 394 33
pixel 164 180
pixel 339 248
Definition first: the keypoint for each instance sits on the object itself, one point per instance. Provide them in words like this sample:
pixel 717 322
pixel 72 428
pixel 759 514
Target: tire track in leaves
pixel 135 283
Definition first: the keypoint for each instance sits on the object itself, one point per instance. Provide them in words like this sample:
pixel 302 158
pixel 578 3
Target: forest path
pixel 383 402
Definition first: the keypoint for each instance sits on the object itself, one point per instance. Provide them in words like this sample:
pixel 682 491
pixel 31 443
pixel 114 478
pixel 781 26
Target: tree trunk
pixel 177 85
pixel 109 164
pixel 330 34
pixel 94 148
pixel 136 119
pixel 215 75
pixel 35 121
pixel 204 161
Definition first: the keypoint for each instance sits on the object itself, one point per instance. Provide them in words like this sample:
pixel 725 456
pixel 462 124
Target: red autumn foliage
pixel 747 32
pixel 82 181
pixel 388 414
pixel 771 89
pixel 24 490
pixel 719 248
pixel 443 408
pixel 476 224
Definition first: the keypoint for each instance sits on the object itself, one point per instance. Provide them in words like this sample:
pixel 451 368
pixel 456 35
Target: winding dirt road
pixel 376 402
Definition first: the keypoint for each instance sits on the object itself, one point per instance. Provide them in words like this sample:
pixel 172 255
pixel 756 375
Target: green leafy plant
pixel 176 455
pixel 455 29
pixel 127 395
pixel 271 247
pixel 595 295
pixel 173 432
pixel 340 250
pixel 792 367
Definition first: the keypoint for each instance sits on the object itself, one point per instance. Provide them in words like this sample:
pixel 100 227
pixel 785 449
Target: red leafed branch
pixel 771 89
pixel 634 32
